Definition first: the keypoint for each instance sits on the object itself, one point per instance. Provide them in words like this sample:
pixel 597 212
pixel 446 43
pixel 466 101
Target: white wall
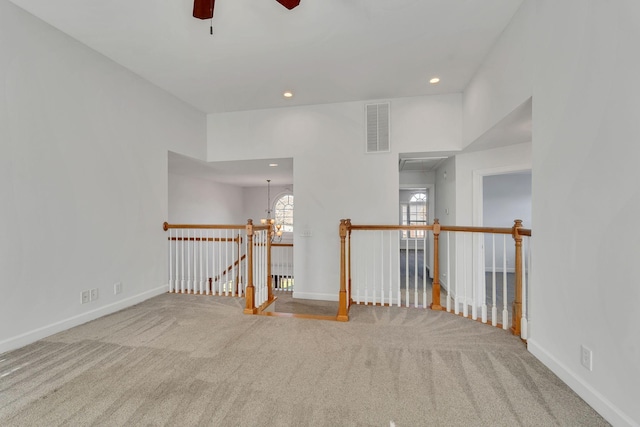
pixel 578 63
pixel 416 179
pixel 333 177
pixel 83 179
pixel 586 199
pixel 504 80
pixel 195 200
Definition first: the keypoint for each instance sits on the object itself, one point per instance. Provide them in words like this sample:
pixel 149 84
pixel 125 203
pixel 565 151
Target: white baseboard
pixel 597 401
pixel 316 296
pixel 62 325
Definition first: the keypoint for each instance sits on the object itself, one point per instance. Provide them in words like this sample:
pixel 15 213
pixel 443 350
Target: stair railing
pixel 383 265
pixel 215 259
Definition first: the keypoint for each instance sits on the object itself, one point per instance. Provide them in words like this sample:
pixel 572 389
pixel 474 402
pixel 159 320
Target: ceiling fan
pixel 203 9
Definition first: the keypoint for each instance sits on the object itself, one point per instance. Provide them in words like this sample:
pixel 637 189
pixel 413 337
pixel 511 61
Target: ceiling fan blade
pixel 289 4
pixel 203 9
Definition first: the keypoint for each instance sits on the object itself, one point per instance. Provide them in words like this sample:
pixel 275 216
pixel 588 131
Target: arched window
pixel 284 212
pixel 415 213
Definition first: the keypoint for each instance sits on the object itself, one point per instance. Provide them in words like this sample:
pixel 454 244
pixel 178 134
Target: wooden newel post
pixel 249 296
pixel 349 299
pixel 435 287
pixel 343 313
pixel 517 302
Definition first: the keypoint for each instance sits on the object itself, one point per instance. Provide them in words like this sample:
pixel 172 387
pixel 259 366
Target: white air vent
pixel 377 127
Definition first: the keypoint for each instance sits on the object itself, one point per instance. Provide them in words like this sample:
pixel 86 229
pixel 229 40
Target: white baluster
pixel 399 275
pixel 449 284
pixel 415 271
pixel 182 265
pixel 456 306
pixel 367 270
pixel 170 265
pixel 355 268
pixel 505 312
pixel 372 268
pixel 406 270
pixel 381 268
pixel 220 266
pixel 494 308
pixel 226 264
pixel 465 306
pixel 483 280
pixel 424 268
pixel 195 262
pixel 201 253
pixel 206 257
pixel 390 256
pixel 524 325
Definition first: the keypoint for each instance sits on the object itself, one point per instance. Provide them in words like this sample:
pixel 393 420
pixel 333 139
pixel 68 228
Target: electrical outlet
pixel 117 288
pixel 84 297
pixel 586 357
pixel 93 294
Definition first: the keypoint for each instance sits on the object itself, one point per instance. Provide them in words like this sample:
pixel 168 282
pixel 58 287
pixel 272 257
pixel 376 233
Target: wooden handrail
pixel 466 229
pixel 166 226
pixel 390 227
pixel 469 229
pixel 230 268
pixel 280 245
pixel 206 239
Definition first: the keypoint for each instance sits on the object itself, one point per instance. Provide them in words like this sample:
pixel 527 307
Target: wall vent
pixel 378 127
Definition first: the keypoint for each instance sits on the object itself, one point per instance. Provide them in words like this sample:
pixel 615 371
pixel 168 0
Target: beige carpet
pixel 185 360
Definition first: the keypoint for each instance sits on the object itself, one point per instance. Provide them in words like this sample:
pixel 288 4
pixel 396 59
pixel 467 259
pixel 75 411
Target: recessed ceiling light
pixel 288 94
pixel 273 165
pixel 434 80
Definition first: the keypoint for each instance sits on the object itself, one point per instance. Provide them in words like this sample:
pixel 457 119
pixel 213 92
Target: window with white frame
pixel 414 213
pixel 284 212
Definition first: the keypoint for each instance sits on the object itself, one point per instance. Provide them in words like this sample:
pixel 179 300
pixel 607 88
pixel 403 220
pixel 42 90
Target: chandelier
pixel 276 229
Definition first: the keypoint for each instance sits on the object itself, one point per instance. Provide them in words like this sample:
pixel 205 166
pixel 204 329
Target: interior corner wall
pixel 194 200
pixel 83 179
pixel 504 80
pixel 586 200
pixel 333 176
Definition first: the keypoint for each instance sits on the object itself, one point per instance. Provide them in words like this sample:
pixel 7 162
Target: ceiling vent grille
pixel 377 127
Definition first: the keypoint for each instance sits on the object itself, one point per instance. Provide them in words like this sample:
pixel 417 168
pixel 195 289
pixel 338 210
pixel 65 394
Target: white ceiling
pixel 324 50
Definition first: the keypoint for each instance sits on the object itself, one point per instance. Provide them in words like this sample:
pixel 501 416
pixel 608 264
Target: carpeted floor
pixel 195 360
